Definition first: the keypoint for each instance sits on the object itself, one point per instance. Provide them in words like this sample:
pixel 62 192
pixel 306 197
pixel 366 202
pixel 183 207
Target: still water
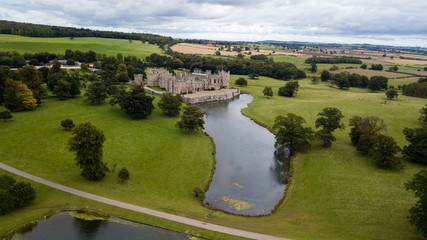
pixel 67 227
pixel 248 179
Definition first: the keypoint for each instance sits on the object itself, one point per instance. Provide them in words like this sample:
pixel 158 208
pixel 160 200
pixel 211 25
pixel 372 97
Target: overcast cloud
pixel 393 22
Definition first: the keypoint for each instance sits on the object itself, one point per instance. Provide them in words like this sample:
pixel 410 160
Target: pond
pixel 249 179
pixel 73 225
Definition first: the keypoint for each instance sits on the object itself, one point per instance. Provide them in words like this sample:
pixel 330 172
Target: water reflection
pixel 87 229
pixel 249 178
pixel 65 227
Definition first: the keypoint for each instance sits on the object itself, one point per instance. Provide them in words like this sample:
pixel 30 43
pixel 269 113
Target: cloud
pixel 361 20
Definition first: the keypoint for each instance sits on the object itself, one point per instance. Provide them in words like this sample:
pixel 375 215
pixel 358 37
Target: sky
pixel 385 22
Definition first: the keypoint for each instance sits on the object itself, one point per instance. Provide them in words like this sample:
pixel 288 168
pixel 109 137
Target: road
pixel 171 217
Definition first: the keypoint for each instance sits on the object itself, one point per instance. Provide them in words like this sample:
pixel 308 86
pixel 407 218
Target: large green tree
pixel 365 132
pixel 87 143
pixel 418 213
pixel 385 150
pixel 170 104
pixel 329 120
pixel 96 93
pixel 136 103
pixel 289 90
pixel 416 151
pixel 292 134
pixel 191 119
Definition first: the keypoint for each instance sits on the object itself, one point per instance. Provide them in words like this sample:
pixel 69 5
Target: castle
pixel 183 82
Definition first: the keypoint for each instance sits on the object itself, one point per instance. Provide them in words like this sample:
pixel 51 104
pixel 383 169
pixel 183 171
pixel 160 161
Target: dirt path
pixel 171 217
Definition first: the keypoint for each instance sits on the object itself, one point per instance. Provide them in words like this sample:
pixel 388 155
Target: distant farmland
pixel 59 45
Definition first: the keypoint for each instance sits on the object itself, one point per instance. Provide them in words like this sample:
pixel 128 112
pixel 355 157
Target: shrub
pixel 5 115
pixel 67 124
pixel 391 93
pixel 123 174
pixel 241 82
pixel 198 192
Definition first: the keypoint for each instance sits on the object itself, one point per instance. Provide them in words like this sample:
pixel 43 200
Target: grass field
pixel 59 45
pixel 337 193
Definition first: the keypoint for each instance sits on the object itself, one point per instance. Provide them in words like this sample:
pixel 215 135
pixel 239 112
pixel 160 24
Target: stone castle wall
pixel 182 82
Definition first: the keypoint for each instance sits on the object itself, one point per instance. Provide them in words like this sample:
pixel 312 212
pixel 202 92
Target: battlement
pixel 182 83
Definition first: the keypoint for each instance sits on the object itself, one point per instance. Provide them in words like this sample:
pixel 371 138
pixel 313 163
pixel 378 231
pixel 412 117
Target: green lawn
pixel 59 45
pixel 337 193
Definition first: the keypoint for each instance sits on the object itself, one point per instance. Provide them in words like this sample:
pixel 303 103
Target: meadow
pixel 59 45
pixel 336 193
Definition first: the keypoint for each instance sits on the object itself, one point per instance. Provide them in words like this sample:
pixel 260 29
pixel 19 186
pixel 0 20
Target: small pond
pixel 73 225
pixel 248 179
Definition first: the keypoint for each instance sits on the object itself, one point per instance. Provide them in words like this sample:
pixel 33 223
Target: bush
pixel 241 82
pixel 67 124
pixel 391 93
pixel 14 194
pixel 198 192
pixel 5 115
pixel 123 174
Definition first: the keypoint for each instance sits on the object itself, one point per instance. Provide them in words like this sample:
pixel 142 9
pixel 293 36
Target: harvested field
pixel 190 48
pixel 371 73
pixel 418 73
pixel 406 80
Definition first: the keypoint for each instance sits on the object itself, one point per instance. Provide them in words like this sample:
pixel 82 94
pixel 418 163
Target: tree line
pixel 333 60
pixel 38 30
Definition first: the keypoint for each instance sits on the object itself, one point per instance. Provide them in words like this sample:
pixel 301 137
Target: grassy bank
pixel 59 45
pixel 337 193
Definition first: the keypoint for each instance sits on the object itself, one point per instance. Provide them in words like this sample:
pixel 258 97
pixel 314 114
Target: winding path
pixel 171 217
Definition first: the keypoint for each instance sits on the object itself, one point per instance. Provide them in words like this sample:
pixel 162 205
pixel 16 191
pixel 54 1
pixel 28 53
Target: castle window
pixel 214 80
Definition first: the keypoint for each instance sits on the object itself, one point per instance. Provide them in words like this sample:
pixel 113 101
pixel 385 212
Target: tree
pixel 366 132
pixel 34 80
pixel 325 76
pixel 377 83
pixel 134 103
pixel 218 53
pixel 423 117
pixel 18 97
pixel 14 194
pixel 122 73
pixel 354 122
pixel 329 120
pixel 268 91
pixel 87 143
pixel 62 89
pixel 67 124
pixel 96 93
pixel 198 192
pixel 84 67
pixel 363 66
pixel 416 151
pixel 123 174
pixel 289 90
pixel 5 115
pixel 292 134
pixel 23 193
pixel 191 119
pixel 418 213
pixel 170 104
pixel 391 93
pixel 241 82
pixel 341 80
pixel 378 67
pixel 253 75
pixel 313 67
pixel 385 150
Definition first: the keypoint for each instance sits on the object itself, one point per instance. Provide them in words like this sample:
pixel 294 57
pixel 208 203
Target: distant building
pixel 182 82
